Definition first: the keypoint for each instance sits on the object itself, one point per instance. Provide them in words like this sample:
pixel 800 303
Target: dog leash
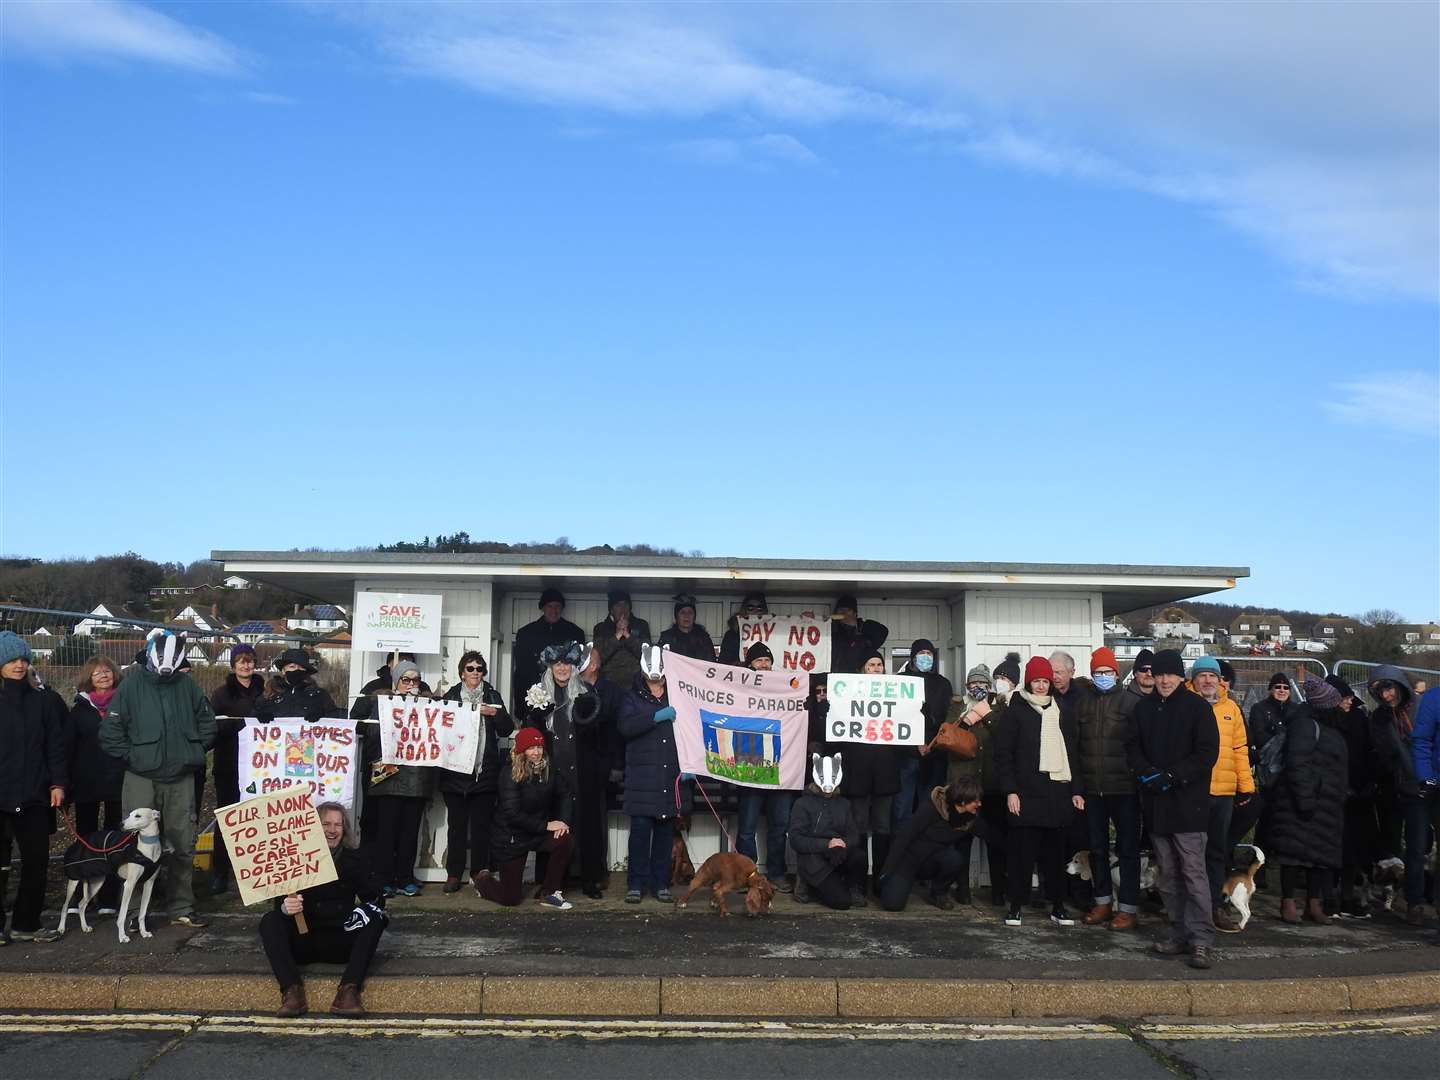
pixel 701 788
pixel 70 827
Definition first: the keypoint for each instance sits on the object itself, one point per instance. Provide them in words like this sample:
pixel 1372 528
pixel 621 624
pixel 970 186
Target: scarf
pixel 476 697
pixel 1054 760
pixel 100 699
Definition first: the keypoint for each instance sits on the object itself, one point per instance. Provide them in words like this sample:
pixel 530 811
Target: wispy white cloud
pixel 114 30
pixel 756 150
pixel 1404 402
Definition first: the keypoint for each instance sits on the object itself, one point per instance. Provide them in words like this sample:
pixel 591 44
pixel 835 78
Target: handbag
pixel 957 740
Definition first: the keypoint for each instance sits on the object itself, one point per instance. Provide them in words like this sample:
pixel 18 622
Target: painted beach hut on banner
pixel 972 611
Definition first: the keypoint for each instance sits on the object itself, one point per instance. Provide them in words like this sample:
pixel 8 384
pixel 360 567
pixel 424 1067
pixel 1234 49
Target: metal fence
pixel 1357 674
pixel 1253 674
pixel 62 641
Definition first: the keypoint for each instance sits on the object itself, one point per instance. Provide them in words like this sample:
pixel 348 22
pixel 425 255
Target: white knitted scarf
pixel 1054 759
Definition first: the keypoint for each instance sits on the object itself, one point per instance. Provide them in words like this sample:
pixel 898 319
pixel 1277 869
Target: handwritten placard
pixel 423 731
pixel 276 844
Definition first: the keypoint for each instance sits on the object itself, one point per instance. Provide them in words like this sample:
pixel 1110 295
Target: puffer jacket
pixel 161 728
pixel 1231 775
pixel 815 820
pixel 652 766
pixel 32 745
pixel 407 781
pixel 1425 739
pixel 523 810
pixel 486 776
pixel 1104 721
pixel 1308 799
pixel 1394 751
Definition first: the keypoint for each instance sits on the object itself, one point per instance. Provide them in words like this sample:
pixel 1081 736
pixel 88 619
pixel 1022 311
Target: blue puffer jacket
pixel 652 767
pixel 1425 739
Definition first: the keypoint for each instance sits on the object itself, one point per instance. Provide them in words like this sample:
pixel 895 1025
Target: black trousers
pixel 1024 846
pixel 591 824
pixel 1306 882
pixel 835 887
pixel 994 813
pixel 467 828
pixel 1244 818
pixel 397 837
pixel 87 820
pixel 286 948
pixel 30 828
pixel 941 869
pixel 227 791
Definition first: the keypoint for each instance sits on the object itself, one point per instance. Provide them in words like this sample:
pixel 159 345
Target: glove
pixel 1150 782
pixel 665 715
pixel 1242 799
pixel 1168 780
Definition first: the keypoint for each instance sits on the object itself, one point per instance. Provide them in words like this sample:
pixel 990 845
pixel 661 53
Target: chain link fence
pixel 62 641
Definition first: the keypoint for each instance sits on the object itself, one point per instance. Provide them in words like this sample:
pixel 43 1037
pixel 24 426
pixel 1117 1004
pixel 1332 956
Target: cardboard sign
pixel 747 727
pixel 276 845
pixel 291 751
pixel 408 622
pixel 882 710
pixel 799 642
pixel 423 731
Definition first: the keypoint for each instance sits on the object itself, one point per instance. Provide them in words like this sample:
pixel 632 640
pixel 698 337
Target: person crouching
pixel 345 918
pixel 533 813
pixel 829 859
pixel 927 847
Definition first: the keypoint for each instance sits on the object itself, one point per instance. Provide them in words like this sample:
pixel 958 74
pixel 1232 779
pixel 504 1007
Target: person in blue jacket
pixel 652 778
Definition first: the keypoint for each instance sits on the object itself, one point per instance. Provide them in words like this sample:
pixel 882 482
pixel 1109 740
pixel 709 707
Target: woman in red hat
pixel 532 813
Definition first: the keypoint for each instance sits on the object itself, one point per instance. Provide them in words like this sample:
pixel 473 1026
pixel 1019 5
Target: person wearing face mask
pixel 978 709
pixel 1007 676
pixel 1231 783
pixel 686 636
pixel 1309 800
pixel 920 769
pixel 399 794
pixel 293 691
pixel 232 700
pixel 470 796
pixel 1110 797
pixel 33 776
pixel 160 724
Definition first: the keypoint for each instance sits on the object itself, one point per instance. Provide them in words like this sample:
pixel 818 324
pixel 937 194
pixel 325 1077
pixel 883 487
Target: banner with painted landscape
pixel 747 727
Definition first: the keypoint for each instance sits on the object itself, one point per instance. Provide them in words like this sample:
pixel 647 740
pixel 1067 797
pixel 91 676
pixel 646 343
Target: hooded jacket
pixel 1176 735
pixel 95 776
pixel 1394 752
pixel 815 820
pixel 652 765
pixel 160 727
pixel 1231 774
pixel 1307 802
pixel 32 745
pixel 938 693
pixel 1104 728
pixel 487 769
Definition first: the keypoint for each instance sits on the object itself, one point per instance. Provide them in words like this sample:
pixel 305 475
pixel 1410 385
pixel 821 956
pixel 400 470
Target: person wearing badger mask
pixel 652 777
pixel 829 861
pixel 160 723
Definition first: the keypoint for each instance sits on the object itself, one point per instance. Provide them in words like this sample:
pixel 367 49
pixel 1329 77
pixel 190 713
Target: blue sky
pixel 1121 284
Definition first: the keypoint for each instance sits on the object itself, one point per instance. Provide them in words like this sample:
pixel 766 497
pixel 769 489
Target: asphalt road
pixel 219 1048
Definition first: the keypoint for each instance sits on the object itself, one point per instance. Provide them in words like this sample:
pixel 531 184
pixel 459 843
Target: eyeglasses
pixel 475 667
pixel 1104 671
pixel 409 678
pixel 1281 689
pixel 1144 670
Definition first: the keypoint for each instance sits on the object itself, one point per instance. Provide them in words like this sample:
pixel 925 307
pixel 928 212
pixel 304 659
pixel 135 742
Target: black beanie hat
pixel 1143 659
pixel 552 596
pixel 871 655
pixel 758 651
pixel 1278 679
pixel 614 596
pixel 1340 685
pixel 1009 668
pixel 1227 672
pixel 846 601
pixel 1168 662
pixel 920 645
pixel 684 602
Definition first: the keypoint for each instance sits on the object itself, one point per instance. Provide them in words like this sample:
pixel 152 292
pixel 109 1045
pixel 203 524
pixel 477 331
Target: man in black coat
pixel 530 639
pixel 853 639
pixel 686 636
pixel 1172 747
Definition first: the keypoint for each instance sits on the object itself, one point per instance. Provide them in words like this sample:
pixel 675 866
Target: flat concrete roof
pixel 331 575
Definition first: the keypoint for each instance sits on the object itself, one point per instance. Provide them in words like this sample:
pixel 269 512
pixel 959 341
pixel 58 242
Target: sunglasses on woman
pixel 475 668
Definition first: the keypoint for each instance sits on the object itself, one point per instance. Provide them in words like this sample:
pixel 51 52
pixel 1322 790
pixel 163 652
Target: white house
pixel 1175 622
pixel 973 611
pixel 256 631
pixel 318 619
pixel 195 619
pixel 235 581
pixel 102 618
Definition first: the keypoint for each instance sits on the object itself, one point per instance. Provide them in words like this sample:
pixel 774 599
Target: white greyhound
pixel 133 866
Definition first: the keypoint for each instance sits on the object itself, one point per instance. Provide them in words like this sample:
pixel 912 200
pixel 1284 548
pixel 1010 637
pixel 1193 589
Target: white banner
pixel 882 710
pixel 403 622
pixel 799 642
pixel 290 751
pixel 423 731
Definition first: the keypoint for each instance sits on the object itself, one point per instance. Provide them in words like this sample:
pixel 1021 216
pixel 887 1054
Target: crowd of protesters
pixel 1161 774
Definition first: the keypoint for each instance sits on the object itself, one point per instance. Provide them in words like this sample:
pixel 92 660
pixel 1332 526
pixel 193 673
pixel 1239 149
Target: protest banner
pixel 735 724
pixel 385 622
pixel 286 752
pixel 275 844
pixel 799 642
pixel 422 731
pixel 885 710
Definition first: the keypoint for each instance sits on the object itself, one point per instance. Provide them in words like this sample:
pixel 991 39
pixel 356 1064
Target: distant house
pixel 104 617
pixel 333 648
pixel 234 581
pixel 257 630
pixel 1127 648
pixel 191 617
pixel 318 619
pixel 1251 626
pixel 1116 628
pixel 170 590
pixel 1331 630
pixel 1421 637
pixel 1175 622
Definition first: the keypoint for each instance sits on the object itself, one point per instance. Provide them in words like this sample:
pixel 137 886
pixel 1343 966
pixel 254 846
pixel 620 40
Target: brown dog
pixel 681 868
pixel 727 872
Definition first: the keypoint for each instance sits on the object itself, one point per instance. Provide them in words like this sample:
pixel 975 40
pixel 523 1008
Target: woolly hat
pixel 1009 668
pixel 1143 659
pixel 1278 679
pixel 755 598
pixel 402 668
pixel 846 601
pixel 552 596
pixel 758 651
pixel 1168 662
pixel 615 596
pixel 527 737
pixel 1319 694
pixel 873 654
pixel 978 674
pixel 1342 687
pixel 1205 663
pixel 13 647
pixel 920 645
pixel 242 649
pixel 1227 672
pixel 1103 657
pixel 1037 667
pixel 684 602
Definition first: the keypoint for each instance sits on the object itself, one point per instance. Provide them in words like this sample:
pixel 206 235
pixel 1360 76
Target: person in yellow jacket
pixel 1231 782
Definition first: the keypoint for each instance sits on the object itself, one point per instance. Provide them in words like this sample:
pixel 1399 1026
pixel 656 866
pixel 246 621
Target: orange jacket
pixel 1231 775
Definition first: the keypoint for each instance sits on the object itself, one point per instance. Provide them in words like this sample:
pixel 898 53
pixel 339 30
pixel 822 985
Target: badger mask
pixel 164 651
pixel 826 772
pixel 652 661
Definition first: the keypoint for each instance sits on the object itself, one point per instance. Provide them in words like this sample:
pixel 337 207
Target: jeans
pixel 1420 815
pixel 650 842
pixel 1217 844
pixel 1124 811
pixel 776 807
pixel 903 808
pixel 467 831
pixel 1185 885
pixel 176 802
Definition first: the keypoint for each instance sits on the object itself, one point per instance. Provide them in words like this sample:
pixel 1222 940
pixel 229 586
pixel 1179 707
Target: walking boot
pixel 292 1001
pixel 1290 912
pixel 1315 911
pixel 347 1001
pixel 1098 914
pixel 452 884
pixel 962 891
pixel 1123 920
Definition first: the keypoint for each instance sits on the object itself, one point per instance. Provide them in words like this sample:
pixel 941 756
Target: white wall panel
pixel 1031 623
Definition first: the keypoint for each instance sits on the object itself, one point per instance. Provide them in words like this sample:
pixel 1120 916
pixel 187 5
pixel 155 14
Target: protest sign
pixel 275 844
pixel 408 622
pixel 287 752
pixel 422 731
pixel 735 724
pixel 884 710
pixel 799 642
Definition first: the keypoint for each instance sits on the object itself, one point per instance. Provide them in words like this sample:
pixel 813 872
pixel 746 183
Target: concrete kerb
pixel 774 998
